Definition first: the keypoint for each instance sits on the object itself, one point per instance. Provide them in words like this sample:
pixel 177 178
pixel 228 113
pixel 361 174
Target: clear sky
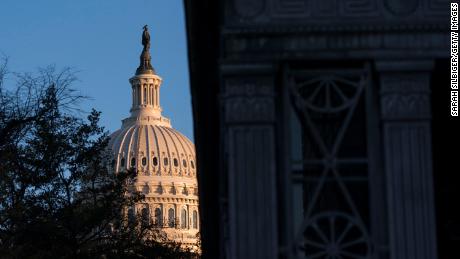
pixel 102 40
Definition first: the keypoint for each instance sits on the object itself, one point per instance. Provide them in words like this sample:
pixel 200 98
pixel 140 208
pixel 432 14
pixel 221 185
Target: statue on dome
pixel 146 38
pixel 145 65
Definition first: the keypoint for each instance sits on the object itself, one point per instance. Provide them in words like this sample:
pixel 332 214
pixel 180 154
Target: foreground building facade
pixel 325 114
pixel 163 158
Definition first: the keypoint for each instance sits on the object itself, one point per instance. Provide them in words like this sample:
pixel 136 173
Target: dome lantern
pixel 146 89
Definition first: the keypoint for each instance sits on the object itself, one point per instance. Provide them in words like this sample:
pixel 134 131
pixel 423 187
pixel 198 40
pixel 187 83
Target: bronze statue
pixel 146 38
pixel 145 66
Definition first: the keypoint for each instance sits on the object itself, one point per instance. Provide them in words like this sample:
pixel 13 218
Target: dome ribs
pixel 122 143
pixel 158 152
pixel 175 147
pixel 133 147
pixel 147 150
pixel 181 140
pixel 167 149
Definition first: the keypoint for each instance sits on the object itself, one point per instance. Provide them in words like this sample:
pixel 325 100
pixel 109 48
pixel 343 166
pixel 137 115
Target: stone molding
pixel 404 92
pixel 248 99
pixel 353 12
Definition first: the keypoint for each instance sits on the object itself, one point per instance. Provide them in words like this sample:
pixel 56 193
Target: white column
pixel 132 97
pixel 135 96
pixel 143 92
pixel 138 89
pixel 151 95
pixel 157 90
pixel 147 97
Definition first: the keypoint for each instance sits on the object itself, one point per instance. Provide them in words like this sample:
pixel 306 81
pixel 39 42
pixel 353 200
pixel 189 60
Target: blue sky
pixel 102 40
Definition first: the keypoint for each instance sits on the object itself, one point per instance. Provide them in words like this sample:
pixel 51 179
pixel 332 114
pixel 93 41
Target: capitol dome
pixel 163 158
pixel 155 151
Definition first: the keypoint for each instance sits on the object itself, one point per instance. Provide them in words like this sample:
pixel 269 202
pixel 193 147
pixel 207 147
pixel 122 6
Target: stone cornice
pixel 192 201
pixel 328 28
pixel 374 44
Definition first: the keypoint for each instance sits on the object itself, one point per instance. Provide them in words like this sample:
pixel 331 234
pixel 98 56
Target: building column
pixel 133 97
pixel 157 96
pixel 138 96
pixel 250 208
pixel 152 94
pixel 406 118
pixel 147 97
pixel 142 93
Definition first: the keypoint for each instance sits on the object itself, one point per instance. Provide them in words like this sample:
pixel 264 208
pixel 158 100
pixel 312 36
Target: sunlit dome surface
pixel 155 150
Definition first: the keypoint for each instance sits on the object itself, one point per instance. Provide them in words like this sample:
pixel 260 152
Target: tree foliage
pixel 58 195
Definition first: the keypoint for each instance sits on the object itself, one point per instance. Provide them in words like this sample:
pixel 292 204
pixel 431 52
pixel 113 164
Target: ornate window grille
pixel 334 188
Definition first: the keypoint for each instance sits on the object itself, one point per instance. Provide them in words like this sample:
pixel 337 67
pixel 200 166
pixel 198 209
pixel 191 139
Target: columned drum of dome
pixel 162 156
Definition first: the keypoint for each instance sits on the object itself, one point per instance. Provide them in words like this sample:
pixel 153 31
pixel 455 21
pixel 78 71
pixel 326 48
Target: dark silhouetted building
pixel 319 128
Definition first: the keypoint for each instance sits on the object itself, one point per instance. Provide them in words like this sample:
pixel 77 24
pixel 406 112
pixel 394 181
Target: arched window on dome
pixel 183 218
pixel 165 161
pixel 144 161
pixel 171 218
pixel 145 216
pixel 195 219
pixel 184 163
pixel 192 164
pixel 176 163
pixel 158 217
pixel 133 162
pixel 145 94
pixel 155 161
pixel 122 162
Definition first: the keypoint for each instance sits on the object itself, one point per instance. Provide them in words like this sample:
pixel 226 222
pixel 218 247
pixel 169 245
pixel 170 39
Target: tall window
pixel 183 218
pixel 332 183
pixel 171 218
pixel 158 217
pixel 131 216
pixel 195 219
pixel 145 216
